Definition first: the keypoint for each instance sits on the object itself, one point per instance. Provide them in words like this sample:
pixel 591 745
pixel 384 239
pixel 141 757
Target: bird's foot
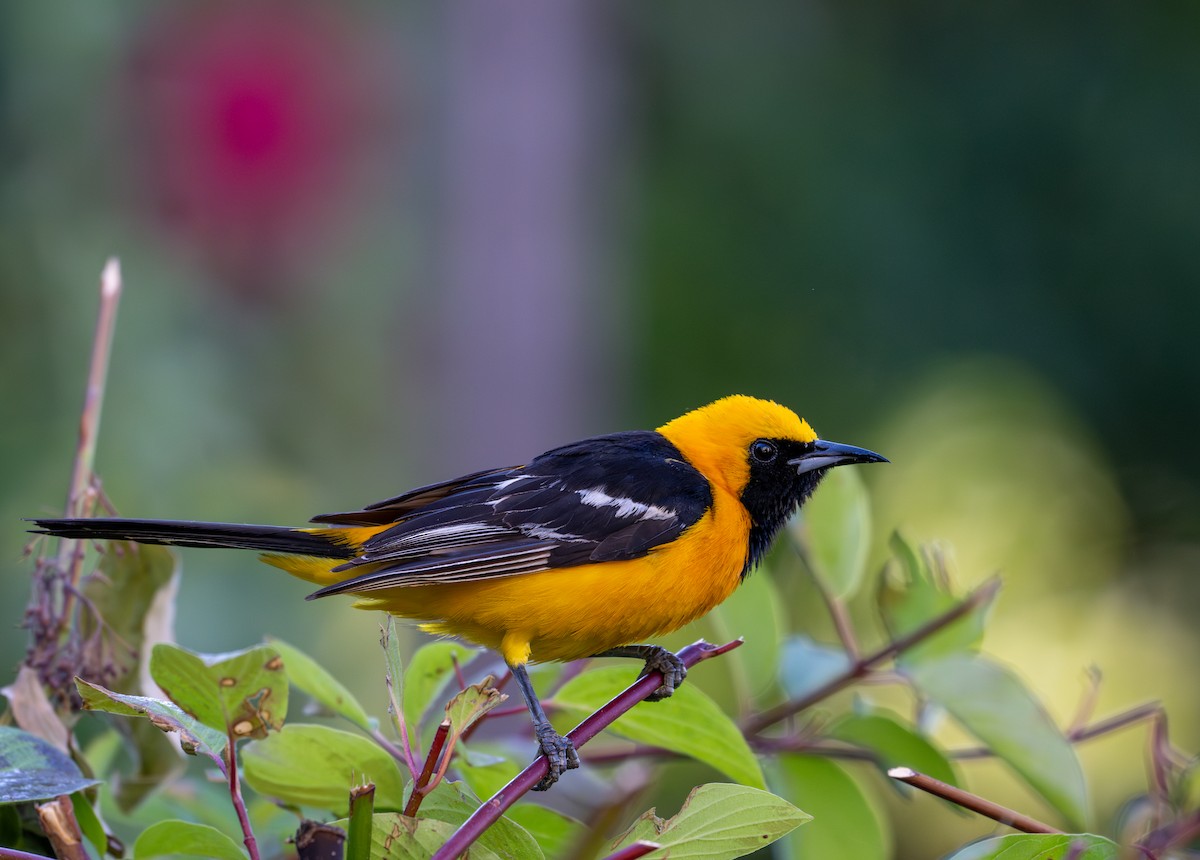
pixel 559 752
pixel 659 659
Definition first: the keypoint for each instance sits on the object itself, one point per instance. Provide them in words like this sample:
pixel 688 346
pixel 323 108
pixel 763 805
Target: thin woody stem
pixel 14 854
pixel 431 760
pixel 70 554
pixel 235 794
pixel 862 666
pixel 1181 832
pixel 835 605
pixel 973 802
pixel 1108 725
pixel 491 810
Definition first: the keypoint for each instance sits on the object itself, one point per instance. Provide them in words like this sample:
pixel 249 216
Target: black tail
pixel 178 533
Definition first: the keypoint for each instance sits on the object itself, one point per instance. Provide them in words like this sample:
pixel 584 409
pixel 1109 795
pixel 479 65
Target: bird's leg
pixel 658 659
pixel 559 751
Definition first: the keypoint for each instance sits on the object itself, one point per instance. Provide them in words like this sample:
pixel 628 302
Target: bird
pixel 587 550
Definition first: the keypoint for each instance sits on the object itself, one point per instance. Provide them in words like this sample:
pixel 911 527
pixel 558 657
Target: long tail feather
pixel 180 533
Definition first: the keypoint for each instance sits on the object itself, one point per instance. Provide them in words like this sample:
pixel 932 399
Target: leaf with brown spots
pixel 243 693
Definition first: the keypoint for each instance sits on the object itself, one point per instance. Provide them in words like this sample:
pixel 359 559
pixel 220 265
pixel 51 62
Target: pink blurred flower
pixel 249 120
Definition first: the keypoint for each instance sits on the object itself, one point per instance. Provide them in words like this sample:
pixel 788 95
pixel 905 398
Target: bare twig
pixel 861 667
pixel 458 672
pixel 235 794
pixel 422 782
pixel 835 605
pixel 57 818
pixel 492 809
pixel 1158 842
pixel 54 650
pixel 841 623
pixel 1108 725
pixel 14 854
pixel 973 802
pixel 70 554
pixel 1087 702
pixel 400 755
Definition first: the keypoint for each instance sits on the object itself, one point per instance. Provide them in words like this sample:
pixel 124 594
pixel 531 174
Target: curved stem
pixel 492 809
pixel 860 667
pixel 235 794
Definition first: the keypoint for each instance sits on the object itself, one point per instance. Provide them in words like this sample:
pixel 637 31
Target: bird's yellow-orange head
pixel 716 438
pixel 761 453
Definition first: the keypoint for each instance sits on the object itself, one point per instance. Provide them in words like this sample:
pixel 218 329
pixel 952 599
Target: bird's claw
pixel 672 669
pixel 559 752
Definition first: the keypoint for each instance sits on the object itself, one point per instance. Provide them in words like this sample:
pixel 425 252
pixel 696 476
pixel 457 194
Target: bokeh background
pixel 370 245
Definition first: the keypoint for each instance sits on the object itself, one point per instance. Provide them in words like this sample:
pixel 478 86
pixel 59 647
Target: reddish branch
pixel 421 786
pixel 973 802
pixel 492 809
pixel 864 665
pixel 235 795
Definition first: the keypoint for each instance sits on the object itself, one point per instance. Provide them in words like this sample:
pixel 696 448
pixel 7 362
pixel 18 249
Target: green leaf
pixel 173 838
pixel 12 833
pixel 89 823
pixel 311 765
pixel 242 692
pixel 34 769
pixel 894 745
pixel 157 760
pixel 470 705
pixel 916 588
pixel 431 666
pixel 689 722
pixel 835 529
pixel 1038 846
pixel 194 736
pixel 449 803
pixel 486 778
pixel 310 676
pixel 992 703
pixel 754 612
pixel 845 821
pixel 132 591
pixel 717 822
pixel 397 837
pixel 806 665
pixel 555 832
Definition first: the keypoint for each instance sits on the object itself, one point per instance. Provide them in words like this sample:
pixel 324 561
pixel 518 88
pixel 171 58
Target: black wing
pixel 607 498
pixel 393 509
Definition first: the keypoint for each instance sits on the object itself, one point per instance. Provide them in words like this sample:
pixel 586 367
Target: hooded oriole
pixel 584 550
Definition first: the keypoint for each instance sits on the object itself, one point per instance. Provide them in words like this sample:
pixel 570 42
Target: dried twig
pixel 973 802
pixel 54 649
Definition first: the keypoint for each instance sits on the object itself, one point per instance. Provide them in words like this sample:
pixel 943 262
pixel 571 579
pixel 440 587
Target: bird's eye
pixel 763 451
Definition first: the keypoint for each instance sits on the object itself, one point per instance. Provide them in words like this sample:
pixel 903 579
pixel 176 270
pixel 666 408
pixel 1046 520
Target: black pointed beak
pixel 825 455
